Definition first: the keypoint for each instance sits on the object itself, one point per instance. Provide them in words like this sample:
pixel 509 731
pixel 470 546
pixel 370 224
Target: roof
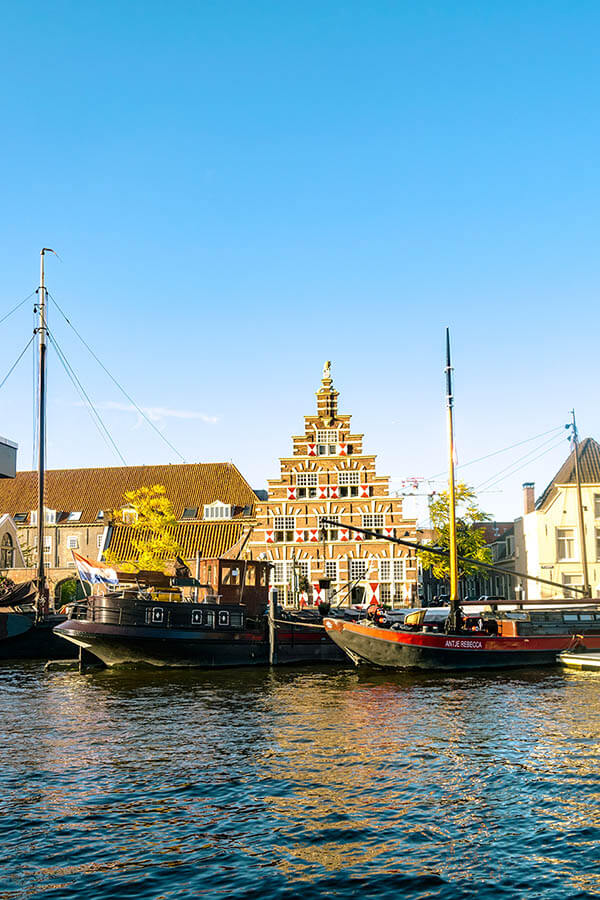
pixel 589 469
pixel 210 539
pixel 494 531
pixel 90 490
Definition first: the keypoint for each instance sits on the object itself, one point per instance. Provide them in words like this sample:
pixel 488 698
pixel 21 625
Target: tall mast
pixel 451 491
pixel 42 347
pixel 586 580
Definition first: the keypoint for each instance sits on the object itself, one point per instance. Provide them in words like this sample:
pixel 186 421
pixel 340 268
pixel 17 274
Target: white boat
pixel 578 659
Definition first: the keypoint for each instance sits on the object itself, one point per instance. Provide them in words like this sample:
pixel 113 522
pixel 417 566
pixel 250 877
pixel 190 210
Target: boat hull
pixel 138 645
pixel 575 660
pixel 424 650
pixel 22 638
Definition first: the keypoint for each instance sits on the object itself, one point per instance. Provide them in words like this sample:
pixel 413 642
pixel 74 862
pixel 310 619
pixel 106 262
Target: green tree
pixel 153 527
pixel 470 540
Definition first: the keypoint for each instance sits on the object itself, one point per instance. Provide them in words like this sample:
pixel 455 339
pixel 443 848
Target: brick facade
pixel 329 475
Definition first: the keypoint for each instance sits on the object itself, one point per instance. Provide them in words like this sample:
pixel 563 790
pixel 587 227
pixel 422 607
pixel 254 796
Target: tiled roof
pixel 589 469
pixel 211 540
pixel 90 490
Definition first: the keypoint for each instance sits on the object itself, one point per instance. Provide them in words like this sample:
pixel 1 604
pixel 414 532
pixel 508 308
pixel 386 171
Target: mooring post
pixel 272 632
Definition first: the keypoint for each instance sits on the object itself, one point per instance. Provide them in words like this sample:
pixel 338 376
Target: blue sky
pixel 239 191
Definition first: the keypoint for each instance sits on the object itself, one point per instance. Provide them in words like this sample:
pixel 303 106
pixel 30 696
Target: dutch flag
pixel 94 572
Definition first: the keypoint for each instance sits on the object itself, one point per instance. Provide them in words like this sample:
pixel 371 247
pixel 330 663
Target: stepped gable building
pixel 213 503
pixel 329 476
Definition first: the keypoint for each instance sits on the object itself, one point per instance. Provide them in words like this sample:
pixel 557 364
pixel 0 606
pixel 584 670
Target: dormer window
pixel 20 518
pixel 100 514
pixel 218 510
pixel 129 515
pixel 74 516
pixel 190 512
pixel 49 517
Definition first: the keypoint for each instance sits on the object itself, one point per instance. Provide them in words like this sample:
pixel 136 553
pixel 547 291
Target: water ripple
pixel 304 783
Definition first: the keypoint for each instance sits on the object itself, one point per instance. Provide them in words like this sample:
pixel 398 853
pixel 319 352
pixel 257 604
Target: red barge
pixel 529 638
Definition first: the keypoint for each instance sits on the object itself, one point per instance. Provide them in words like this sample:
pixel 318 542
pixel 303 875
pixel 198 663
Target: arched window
pixel 7 552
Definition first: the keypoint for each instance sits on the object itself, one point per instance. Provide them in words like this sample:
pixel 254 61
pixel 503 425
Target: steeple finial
pixel 327 371
pixel 327 397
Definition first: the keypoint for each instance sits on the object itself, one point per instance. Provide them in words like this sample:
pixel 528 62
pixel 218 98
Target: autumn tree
pixel 149 513
pixel 470 540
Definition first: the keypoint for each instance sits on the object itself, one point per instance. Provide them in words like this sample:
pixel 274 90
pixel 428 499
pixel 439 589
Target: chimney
pixel 529 496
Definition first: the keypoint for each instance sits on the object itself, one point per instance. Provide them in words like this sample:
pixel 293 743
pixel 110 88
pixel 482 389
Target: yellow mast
pixel 451 491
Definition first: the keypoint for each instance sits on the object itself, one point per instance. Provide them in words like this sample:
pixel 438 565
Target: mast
pixel 42 348
pixel 586 580
pixel 454 610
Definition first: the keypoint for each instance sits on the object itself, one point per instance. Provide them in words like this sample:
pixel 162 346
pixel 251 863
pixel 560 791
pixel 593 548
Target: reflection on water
pixel 298 782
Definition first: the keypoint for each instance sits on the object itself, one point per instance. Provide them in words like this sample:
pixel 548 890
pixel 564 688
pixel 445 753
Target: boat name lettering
pixel 464 645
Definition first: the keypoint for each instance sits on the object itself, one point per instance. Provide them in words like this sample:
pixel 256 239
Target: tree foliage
pixel 470 540
pixel 152 531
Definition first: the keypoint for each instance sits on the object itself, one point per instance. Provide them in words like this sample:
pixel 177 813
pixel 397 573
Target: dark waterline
pixel 328 783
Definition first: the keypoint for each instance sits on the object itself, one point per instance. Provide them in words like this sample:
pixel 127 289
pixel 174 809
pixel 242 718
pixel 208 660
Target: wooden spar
pixel 40 603
pixel 586 580
pixel 415 545
pixel 451 490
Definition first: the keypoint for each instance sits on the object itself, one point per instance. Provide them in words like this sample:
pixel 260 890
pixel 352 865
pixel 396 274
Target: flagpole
pixel 85 594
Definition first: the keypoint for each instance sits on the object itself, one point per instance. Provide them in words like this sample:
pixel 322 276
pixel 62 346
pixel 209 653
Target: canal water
pixel 298 783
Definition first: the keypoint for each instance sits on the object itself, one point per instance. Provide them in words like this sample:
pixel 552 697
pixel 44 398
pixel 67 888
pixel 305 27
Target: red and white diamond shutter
pixel 388 532
pixel 312 449
pixel 299 535
pixel 291 492
pixel 269 536
pixel 322 492
pixel 342 449
pixel 374 588
pixel 313 534
pixel 344 534
pixel 318 594
pixel 364 490
pixel 333 491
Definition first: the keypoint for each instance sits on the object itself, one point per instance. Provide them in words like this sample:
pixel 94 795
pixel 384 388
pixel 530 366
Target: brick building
pixel 213 503
pixel 328 475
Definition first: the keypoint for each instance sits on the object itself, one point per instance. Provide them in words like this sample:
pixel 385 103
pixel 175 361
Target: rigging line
pixel 493 478
pixel 15 364
pixel 114 380
pixel 92 408
pixel 509 474
pixel 496 452
pixel 15 308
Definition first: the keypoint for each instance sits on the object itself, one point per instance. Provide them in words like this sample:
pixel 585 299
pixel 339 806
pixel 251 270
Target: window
pixel 49 517
pixel 372 520
pixel 597 531
pixel 283 527
pixel 307 479
pixel 129 515
pixel 7 552
pixel 303 568
pixel 597 506
pixel 348 483
pixel 190 512
pixel 385 592
pixel 218 510
pixel 385 569
pixel 399 570
pixel 565 544
pixel 358 569
pixel 100 514
pixel 72 542
pixel 74 516
pixel 99 541
pixel 47 544
pixel 306 484
pixel 572 581
pixel 20 518
pixel 331 569
pixel 279 572
pixel 328 532
pixel 327 437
